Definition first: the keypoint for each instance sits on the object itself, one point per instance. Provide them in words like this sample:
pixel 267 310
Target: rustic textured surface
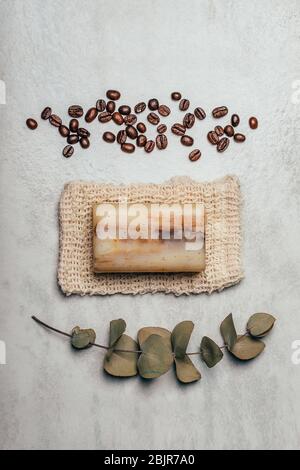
pixel 244 54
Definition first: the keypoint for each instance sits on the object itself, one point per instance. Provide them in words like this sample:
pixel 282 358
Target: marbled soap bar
pixel 148 237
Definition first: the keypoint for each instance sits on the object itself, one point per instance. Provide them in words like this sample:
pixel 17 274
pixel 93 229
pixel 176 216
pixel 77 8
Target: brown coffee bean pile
pixel 125 119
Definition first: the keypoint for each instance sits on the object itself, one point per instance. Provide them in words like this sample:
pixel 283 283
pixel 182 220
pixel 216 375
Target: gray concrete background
pixel 243 54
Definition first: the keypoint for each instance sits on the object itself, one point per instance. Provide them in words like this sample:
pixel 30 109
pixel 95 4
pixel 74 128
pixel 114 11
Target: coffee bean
pixel 46 113
pixel 195 155
pixel 176 96
pixel 113 95
pixel 219 112
pixel 130 119
pixel 131 132
pixel 84 142
pixel 104 117
pixel 141 140
pixel 55 120
pixel 178 129
pixel 140 107
pixel 235 120
pixel 72 139
pixel 128 148
pixel 222 144
pixel 184 105
pixel 161 141
pixel 189 120
pixel 75 111
pixel 68 151
pixel 229 131
pixel 141 127
pixel 200 113
pixel 253 122
pixel 239 137
pixel 91 114
pixel 118 118
pixel 110 107
pixel 121 137
pixel 153 118
pixel 109 137
pixel 149 146
pixel 153 104
pixel 125 109
pixel 164 110
pixel 219 131
pixel 213 137
pixel 161 129
pixel 64 131
pixel 73 125
pixel 187 140
pixel 101 106
pixel 31 123
pixel 82 132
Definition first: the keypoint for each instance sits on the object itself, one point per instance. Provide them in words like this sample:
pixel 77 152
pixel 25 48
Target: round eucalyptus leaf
pixel 186 372
pixel 180 338
pixel 119 363
pixel 156 358
pixel 82 339
pixel 247 348
pixel 228 331
pixel 117 328
pixel 144 333
pixel 210 352
pixel 260 324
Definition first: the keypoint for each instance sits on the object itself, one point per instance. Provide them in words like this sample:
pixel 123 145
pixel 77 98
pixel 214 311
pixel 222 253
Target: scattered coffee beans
pixel 222 144
pixel 184 105
pixel 46 113
pixel 235 120
pixel 187 140
pixel 128 148
pixel 72 139
pixel 213 137
pixel 64 131
pixel 229 130
pixel 130 119
pixel 219 131
pixel 219 112
pixel 82 132
pixel 68 151
pixel 55 120
pixel 140 107
pixel 125 110
pixel 161 129
pixel 84 142
pixel 149 146
pixel 75 111
pixel 164 110
pixel 141 140
pixel 104 117
pixel 121 137
pixel 131 132
pixel 253 122
pixel 73 125
pixel 101 106
pixel 91 114
pixel 153 104
pixel 31 123
pixel 189 120
pixel 239 137
pixel 113 95
pixel 118 118
pixel 141 127
pixel 200 113
pixel 153 118
pixel 161 141
pixel 110 107
pixel 178 129
pixel 109 137
pixel 176 96
pixel 195 155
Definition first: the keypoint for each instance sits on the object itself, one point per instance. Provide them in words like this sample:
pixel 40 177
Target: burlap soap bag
pixel 222 202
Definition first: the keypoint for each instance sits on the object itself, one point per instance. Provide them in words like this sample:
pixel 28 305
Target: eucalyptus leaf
pixel 180 338
pixel 156 358
pixel 260 324
pixel 186 372
pixel 116 329
pixel 82 339
pixel 210 352
pixel 144 333
pixel 228 331
pixel 247 348
pixel 122 364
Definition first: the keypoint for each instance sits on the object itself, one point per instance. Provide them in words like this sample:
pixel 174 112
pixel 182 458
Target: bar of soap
pixel 148 238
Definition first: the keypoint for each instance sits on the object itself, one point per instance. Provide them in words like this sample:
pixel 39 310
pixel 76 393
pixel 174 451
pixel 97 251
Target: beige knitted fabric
pixel 222 202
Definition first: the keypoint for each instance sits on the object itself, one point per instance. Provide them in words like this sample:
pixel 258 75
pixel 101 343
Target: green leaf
pixel 247 348
pixel 144 333
pixel 116 329
pixel 82 339
pixel 156 358
pixel 228 331
pixel 260 324
pixel 210 352
pixel 186 372
pixel 122 364
pixel 180 338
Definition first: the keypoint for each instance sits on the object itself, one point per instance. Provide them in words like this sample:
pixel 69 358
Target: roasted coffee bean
pixel 72 139
pixel 149 146
pixel 118 118
pixel 164 110
pixel 128 148
pixel 121 137
pixel 219 112
pixel 195 155
pixel 82 132
pixel 141 127
pixel 200 113
pixel 161 141
pixel 31 123
pixel 64 131
pixel 68 151
pixel 161 129
pixel 222 144
pixel 189 120
pixel 75 111
pixel 101 106
pixel 239 137
pixel 141 140
pixel 219 131
pixel 84 142
pixel 55 120
pixel 104 117
pixel 187 140
pixel 176 96
pixel 125 110
pixel 253 122
pixel 153 118
pixel 109 137
pixel 213 137
pixel 110 107
pixel 73 125
pixel 229 131
pixel 131 132
pixel 130 119
pixel 46 113
pixel 178 129
pixel 184 105
pixel 235 120
pixel 113 95
pixel 140 107
pixel 153 104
